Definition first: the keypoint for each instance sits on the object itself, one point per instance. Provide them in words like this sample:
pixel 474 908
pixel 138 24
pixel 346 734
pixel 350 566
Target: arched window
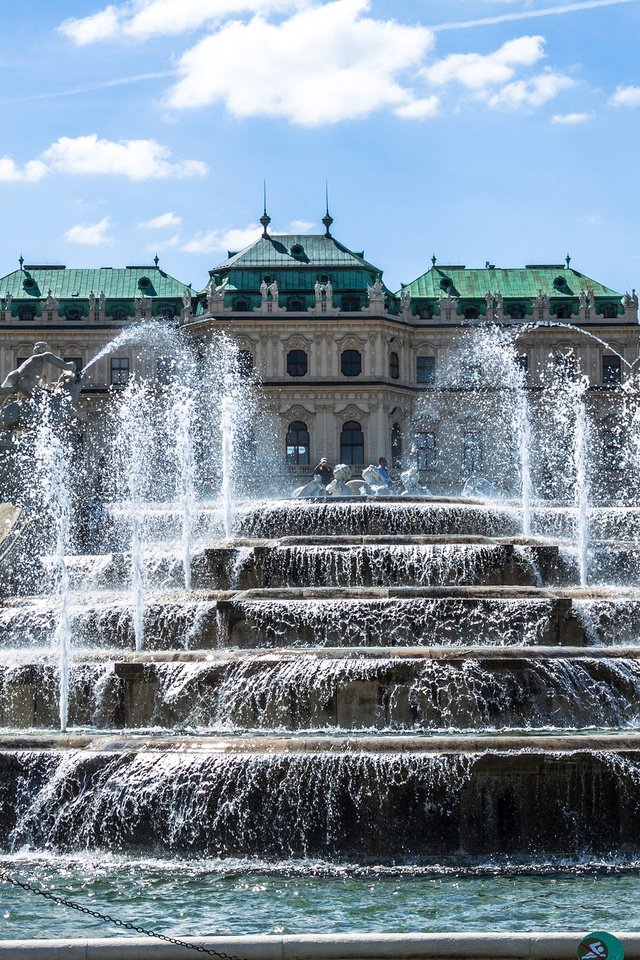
pixel 241 305
pixel 517 311
pixel 351 363
pixel 350 304
pixel 73 313
pixel 298 443
pixel 394 365
pixel 119 314
pixel 296 363
pixel 295 305
pixel 609 311
pixel 563 311
pixel 351 443
pixel 471 313
pixel 425 313
pixel 396 445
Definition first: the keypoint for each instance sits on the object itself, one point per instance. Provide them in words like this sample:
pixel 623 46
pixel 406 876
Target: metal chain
pixel 124 924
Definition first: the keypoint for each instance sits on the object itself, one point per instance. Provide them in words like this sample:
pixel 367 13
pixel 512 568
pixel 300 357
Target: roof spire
pixel 433 260
pixel 265 219
pixel 21 260
pixel 156 259
pixel 327 219
pixel 567 260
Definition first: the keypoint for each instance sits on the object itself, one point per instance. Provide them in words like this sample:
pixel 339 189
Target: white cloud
pixel 626 97
pixel 422 109
pixel 147 18
pixel 169 244
pixel 299 226
pixel 169 219
pixel 33 171
pixel 236 238
pixel 530 93
pixel 477 71
pixel 324 64
pixel 571 118
pixel 90 234
pixel 135 159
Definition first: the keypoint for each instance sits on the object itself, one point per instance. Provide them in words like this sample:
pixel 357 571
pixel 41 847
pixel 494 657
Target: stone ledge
pixel 453 946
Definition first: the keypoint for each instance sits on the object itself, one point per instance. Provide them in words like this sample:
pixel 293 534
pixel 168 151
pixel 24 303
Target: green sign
pixel 600 946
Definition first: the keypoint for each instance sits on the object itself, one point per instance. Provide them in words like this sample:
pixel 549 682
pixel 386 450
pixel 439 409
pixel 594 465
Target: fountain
pixel 329 694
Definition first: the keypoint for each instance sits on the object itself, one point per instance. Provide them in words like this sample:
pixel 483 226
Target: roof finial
pixel 21 260
pixel 567 260
pixel 433 260
pixel 156 259
pixel 265 219
pixel 327 219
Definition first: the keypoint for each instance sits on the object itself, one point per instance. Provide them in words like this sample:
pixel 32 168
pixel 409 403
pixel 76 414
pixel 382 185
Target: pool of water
pixel 213 897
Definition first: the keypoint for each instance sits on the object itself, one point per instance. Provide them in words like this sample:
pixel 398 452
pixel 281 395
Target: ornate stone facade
pixel 342 359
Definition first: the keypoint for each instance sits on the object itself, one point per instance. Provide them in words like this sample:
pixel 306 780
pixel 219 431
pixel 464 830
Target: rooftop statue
pixel 376 292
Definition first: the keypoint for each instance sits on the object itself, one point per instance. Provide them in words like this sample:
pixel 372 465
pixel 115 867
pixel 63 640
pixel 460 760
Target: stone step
pixel 324 689
pixel 384 800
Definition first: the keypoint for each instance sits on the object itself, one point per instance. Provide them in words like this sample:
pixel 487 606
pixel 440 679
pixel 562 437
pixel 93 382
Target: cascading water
pixel 51 459
pixel 386 685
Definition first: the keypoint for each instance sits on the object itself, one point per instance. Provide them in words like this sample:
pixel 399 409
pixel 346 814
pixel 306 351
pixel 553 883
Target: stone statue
pixel 375 483
pixel 186 299
pixel 338 486
pixel 273 290
pixel 319 289
pixel 499 306
pixel 411 482
pixel 591 298
pixel 328 290
pixel 50 303
pixel 215 292
pixel 315 488
pixel 92 301
pixel 376 292
pixel 405 304
pixel 8 300
pixel 102 302
pixel 264 289
pixel 26 379
pixel 488 299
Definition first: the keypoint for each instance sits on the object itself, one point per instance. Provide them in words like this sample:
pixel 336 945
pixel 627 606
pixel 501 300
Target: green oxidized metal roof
pixel 512 282
pixel 117 283
pixel 274 251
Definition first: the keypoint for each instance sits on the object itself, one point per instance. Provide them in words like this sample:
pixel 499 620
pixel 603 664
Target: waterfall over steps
pixel 380 682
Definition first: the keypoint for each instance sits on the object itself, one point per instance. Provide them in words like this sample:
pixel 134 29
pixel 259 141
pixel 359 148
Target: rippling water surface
pixel 191 898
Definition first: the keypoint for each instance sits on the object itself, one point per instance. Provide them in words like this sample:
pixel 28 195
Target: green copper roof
pixel 517 282
pixel 275 251
pixel 117 283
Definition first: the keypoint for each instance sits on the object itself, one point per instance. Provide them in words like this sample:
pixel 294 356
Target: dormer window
pixel 446 283
pixel 144 282
pixel 29 284
pixel 559 283
pixel 297 250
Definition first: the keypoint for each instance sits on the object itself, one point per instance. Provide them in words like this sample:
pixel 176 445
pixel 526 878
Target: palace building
pixel 342 358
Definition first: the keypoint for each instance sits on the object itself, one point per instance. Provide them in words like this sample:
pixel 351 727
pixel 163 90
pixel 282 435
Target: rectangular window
pixel 472 452
pixel 119 371
pixel 165 367
pixel 611 370
pixel 426 370
pixel 426 451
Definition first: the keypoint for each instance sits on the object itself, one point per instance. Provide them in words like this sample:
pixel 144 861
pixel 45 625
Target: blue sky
pixel 501 130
